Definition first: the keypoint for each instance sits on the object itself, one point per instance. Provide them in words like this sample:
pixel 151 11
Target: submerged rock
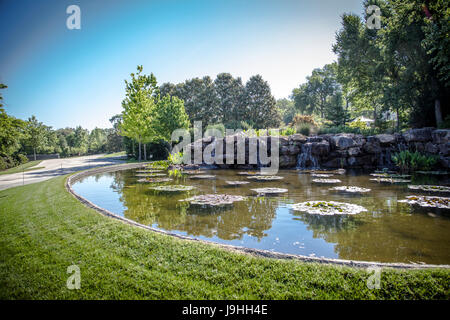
pixel 155 180
pixel 390 180
pixel 148 171
pixel 328 207
pixel 213 200
pixel 265 178
pixel 151 175
pixel 425 201
pixel 326 181
pixel 272 191
pixel 236 183
pixel 203 176
pixel 350 189
pixel 173 188
pixel 429 188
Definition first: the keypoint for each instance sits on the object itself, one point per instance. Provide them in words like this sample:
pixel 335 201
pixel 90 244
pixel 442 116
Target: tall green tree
pixel 229 95
pixel 259 104
pixel 36 135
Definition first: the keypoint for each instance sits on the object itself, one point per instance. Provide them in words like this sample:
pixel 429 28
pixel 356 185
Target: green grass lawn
pixel 43 230
pixel 23 167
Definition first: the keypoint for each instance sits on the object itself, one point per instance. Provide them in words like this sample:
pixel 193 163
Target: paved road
pixel 53 168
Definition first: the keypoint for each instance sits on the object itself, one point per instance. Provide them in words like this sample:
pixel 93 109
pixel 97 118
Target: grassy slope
pixel 23 167
pixel 43 230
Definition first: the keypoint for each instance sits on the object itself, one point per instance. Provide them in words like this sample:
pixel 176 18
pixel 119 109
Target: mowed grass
pixel 43 230
pixel 23 167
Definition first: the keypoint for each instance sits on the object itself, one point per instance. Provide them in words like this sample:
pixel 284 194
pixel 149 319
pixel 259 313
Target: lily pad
pixel 328 207
pixel 203 176
pixel 213 200
pixel 390 175
pixel 429 188
pixel 326 181
pixel 437 173
pixel 265 178
pixel 390 180
pixel 155 180
pixel 248 173
pixel 321 175
pixel 236 183
pixel 425 201
pixel 148 171
pixel 191 172
pixel 272 191
pixel 350 189
pixel 173 188
pixel 150 175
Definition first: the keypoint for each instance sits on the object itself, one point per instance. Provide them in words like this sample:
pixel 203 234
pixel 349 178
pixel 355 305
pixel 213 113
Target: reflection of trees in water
pixel 252 217
pixel 325 226
pixel 394 233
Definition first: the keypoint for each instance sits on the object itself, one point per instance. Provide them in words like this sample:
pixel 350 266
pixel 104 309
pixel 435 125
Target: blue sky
pixel 76 77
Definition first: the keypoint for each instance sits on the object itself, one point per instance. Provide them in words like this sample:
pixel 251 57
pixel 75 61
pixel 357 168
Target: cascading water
pixel 305 160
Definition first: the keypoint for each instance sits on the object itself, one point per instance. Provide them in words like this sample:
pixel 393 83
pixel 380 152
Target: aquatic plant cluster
pixel 312 207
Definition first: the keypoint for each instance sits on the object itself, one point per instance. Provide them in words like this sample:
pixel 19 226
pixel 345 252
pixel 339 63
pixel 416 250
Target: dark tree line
pixel 227 100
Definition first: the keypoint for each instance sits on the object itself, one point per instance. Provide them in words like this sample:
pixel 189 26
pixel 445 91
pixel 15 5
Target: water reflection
pixel 388 232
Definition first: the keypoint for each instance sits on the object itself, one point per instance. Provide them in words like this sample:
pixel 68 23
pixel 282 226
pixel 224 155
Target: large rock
pixel 320 148
pixel 386 139
pixel 441 136
pixel 418 135
pixel 354 151
pixel 346 140
pixel 289 150
pixel 297 139
pixel 287 161
pixel 372 145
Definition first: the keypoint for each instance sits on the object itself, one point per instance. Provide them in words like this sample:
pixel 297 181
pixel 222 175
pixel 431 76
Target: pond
pixel 386 231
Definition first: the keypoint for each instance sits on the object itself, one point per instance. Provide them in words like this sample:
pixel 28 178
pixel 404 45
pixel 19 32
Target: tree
pixel 36 134
pixel 229 95
pixel 314 95
pixel 259 104
pixel 336 112
pixel 11 130
pixel 286 109
pixel 138 106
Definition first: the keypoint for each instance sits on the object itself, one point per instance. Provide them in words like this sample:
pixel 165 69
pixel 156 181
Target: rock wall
pixel 344 150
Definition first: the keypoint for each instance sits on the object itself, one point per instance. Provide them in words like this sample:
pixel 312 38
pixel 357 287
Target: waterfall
pixel 305 160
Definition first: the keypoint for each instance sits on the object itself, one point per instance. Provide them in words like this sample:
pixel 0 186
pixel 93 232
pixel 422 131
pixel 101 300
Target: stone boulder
pixel 346 141
pixel 418 135
pixel 320 148
pixel 372 145
pixel 386 139
pixel 297 139
pixel 287 161
pixel 441 136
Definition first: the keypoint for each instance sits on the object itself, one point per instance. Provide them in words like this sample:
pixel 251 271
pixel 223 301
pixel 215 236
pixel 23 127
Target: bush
pixel 287 131
pixel 21 159
pixel 218 126
pixel 409 161
pixel 446 123
pixel 304 129
pixel 300 119
pixel 7 162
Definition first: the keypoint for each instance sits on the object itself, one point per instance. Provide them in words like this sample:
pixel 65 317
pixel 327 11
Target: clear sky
pixel 76 77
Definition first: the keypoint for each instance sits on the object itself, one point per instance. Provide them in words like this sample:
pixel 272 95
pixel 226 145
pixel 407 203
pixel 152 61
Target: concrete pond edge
pixel 70 180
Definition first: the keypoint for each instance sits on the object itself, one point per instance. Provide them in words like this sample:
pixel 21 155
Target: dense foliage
pixel 19 138
pixel 394 74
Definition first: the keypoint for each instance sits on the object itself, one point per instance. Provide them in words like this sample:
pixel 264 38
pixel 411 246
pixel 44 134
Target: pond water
pixel 389 231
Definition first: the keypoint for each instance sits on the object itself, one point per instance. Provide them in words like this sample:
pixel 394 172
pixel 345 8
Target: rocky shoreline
pixel 342 150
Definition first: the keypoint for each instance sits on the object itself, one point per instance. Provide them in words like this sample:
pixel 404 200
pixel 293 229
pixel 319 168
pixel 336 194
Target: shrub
pixel 287 131
pixel 218 126
pixel 409 161
pixel 304 129
pixel 300 119
pixel 446 123
pixel 21 158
